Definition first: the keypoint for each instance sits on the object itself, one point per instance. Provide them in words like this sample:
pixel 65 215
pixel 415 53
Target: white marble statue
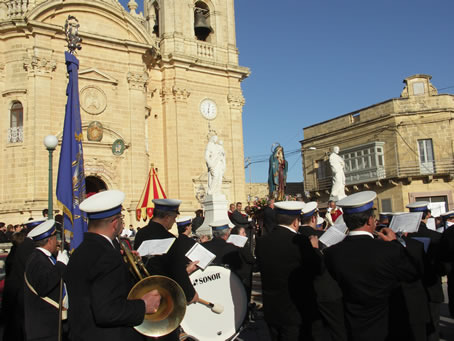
pixel 215 159
pixel 337 168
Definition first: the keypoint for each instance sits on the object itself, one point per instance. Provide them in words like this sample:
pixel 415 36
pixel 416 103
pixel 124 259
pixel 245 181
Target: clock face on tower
pixel 208 109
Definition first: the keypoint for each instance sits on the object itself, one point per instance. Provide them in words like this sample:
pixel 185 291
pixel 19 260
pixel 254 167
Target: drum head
pixel 217 285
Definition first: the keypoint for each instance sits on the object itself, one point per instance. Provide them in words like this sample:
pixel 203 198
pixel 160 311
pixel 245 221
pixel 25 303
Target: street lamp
pixel 50 142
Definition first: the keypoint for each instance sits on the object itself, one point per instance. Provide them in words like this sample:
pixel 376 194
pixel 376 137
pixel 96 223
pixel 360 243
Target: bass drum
pixel 221 286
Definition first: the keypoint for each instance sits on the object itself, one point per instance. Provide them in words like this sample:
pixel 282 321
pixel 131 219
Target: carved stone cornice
pixel 236 101
pixel 175 93
pixel 35 65
pixel 137 80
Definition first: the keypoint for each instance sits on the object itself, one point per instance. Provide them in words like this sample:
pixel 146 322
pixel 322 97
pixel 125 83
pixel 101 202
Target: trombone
pixel 173 300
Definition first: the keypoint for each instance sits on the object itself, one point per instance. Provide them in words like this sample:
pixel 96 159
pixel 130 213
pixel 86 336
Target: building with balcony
pixel 402 148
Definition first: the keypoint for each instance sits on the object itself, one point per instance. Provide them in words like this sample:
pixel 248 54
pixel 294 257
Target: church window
pixel 202 27
pixel 15 131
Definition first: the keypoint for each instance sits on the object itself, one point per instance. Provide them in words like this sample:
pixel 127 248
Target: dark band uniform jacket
pixel 98 283
pixel 13 293
pixel 409 309
pixel 269 219
pixel 328 293
pixel 226 253
pixel 172 264
pixel 434 268
pixel 185 242
pixel 367 270
pixel 41 318
pixel 288 264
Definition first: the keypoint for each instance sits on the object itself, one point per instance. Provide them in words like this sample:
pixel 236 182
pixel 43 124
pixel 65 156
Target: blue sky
pixel 312 60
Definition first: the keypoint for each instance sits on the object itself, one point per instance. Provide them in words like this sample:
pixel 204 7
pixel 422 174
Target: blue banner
pixel 71 178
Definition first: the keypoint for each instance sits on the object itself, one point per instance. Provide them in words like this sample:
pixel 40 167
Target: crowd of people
pixel 373 285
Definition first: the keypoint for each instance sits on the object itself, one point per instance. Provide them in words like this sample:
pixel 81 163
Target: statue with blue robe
pixel 277 174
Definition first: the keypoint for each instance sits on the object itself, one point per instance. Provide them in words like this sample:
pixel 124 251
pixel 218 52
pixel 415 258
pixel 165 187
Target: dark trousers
pixel 288 333
pixel 434 333
pixel 451 292
pixel 332 313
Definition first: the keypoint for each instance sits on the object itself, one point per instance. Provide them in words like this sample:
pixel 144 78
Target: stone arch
pixel 110 18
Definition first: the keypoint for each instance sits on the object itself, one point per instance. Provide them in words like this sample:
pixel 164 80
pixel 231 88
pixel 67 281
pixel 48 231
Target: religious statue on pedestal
pixel 215 160
pixel 277 174
pixel 337 168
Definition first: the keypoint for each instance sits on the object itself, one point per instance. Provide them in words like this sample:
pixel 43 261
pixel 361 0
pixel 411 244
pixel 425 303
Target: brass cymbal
pixel 171 310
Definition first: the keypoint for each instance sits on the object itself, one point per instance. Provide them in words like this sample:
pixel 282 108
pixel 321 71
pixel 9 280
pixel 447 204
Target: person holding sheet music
pixel 226 253
pixel 434 268
pixel 288 263
pixel 173 264
pixel 184 225
pixel 367 269
pixel 331 326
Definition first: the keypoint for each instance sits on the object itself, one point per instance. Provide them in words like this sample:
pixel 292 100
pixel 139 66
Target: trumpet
pixel 173 300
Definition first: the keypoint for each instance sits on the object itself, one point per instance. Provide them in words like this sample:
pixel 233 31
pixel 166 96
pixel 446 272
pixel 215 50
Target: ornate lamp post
pixel 50 142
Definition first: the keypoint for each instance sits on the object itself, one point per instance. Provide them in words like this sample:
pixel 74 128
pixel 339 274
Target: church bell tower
pixel 198 64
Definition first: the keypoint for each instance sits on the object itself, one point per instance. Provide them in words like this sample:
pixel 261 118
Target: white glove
pixel 63 257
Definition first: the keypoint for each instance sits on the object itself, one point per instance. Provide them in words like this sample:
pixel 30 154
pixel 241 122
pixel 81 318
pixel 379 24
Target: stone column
pixel 40 65
pixel 137 161
pixel 236 102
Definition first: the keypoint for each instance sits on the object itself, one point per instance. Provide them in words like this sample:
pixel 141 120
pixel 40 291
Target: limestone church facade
pixel 143 79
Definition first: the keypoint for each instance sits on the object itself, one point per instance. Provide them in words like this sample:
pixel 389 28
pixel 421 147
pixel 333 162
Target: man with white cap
pixel 184 225
pixel 13 293
pixel 329 295
pixel 43 274
pixel 173 264
pixel 367 269
pixel 226 253
pixel 98 280
pixel 434 267
pixel 288 264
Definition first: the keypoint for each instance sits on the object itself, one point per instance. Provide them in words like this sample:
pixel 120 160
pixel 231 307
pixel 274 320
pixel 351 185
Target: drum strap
pixel 47 299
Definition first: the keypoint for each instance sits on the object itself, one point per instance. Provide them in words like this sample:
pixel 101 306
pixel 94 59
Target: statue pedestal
pixel 215 207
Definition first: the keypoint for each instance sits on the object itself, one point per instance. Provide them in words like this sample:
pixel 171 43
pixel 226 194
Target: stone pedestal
pixel 215 208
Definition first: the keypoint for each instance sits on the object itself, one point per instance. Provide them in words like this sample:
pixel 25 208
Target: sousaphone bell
pixel 173 300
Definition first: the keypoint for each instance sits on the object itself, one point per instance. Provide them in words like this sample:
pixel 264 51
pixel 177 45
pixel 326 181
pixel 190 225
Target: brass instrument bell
pixel 173 300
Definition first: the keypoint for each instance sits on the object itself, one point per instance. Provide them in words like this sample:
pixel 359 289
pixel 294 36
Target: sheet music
pixel 406 222
pixel 237 240
pixel 155 247
pixel 333 235
pixel 198 252
pixel 431 224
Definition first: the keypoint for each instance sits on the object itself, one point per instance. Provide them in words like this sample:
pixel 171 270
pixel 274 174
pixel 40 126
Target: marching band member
pixel 184 225
pixel 434 269
pixel 288 264
pixel 367 269
pixel 447 252
pixel 98 280
pixel 173 263
pixel 13 294
pixel 43 274
pixel 329 295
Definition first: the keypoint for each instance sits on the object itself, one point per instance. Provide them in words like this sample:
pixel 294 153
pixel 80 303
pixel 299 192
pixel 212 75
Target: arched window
pixel 156 20
pixel 15 132
pixel 202 27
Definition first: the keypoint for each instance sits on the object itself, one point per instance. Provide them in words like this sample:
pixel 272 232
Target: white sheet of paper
pixel 237 240
pixel 333 236
pixel 155 247
pixel 198 252
pixel 406 222
pixel 431 224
